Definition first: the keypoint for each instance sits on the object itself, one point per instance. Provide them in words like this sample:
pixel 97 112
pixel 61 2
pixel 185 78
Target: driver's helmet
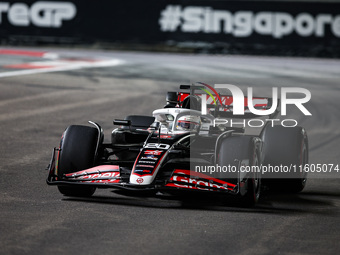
pixel 188 123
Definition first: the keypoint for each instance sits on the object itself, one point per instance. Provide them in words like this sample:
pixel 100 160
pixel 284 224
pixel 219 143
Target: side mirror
pixel 155 126
pixel 122 122
pixel 184 86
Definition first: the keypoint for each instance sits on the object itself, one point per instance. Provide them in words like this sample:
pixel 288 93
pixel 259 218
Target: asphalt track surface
pixel 35 108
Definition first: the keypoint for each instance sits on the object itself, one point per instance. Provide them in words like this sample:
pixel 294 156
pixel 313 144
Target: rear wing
pixel 221 105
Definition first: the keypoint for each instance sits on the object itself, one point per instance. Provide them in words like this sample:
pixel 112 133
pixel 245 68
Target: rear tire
pixel 78 150
pixel 237 148
pixel 286 146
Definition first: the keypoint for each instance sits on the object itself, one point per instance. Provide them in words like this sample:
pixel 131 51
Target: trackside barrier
pixel 291 28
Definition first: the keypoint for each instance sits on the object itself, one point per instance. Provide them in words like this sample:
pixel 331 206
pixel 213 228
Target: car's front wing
pixel 109 176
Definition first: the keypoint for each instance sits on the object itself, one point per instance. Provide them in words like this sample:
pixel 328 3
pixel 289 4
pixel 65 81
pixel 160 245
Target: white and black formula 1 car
pixel 174 151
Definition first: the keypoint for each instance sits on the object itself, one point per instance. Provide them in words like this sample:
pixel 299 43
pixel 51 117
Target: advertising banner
pixel 238 25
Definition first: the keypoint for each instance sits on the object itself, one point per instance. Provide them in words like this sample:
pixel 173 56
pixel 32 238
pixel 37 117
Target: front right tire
pixel 242 148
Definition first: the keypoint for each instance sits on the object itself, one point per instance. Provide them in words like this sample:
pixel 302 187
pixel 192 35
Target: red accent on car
pixel 204 176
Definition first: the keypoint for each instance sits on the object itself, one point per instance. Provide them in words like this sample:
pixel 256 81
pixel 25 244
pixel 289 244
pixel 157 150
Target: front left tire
pixel 77 152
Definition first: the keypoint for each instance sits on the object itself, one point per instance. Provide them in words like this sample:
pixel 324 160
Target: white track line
pixel 104 63
pixel 50 109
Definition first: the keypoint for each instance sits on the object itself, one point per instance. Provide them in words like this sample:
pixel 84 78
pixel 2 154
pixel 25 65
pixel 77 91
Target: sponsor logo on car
pixel 191 183
pixel 145 166
pixel 150 157
pixel 110 177
pixel 153 152
pixel 147 162
pixel 103 175
pixel 166 136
